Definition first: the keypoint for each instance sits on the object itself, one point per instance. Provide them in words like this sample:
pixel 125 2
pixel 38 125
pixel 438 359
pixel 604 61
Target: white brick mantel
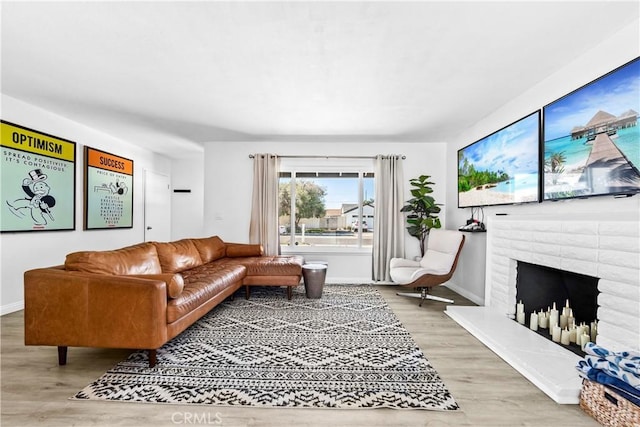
pixel 606 246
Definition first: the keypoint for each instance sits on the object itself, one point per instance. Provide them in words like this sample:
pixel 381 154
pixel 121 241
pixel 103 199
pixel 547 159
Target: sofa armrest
pixel 70 308
pixel 234 250
pixel 174 281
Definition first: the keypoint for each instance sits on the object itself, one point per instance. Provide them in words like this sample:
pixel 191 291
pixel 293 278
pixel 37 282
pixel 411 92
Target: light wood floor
pixel 35 390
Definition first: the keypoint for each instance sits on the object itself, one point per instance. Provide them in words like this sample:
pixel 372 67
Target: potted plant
pixel 422 210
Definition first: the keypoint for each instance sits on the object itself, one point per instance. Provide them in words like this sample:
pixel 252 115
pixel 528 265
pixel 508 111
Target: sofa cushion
pixel 177 256
pixel 201 284
pixel 243 250
pixel 276 265
pixel 210 248
pixel 137 259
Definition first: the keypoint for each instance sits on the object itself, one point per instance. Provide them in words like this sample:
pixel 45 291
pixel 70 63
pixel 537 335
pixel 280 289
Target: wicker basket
pixel 608 407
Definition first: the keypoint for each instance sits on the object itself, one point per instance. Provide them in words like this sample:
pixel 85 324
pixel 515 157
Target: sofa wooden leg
pixel 289 292
pixel 62 355
pixel 247 291
pixel 153 358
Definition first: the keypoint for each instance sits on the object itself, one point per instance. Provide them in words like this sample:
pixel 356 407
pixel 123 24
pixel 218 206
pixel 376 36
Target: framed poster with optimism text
pixel 108 190
pixel 38 182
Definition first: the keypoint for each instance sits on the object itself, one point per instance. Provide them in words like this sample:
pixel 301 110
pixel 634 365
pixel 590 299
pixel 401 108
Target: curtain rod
pixel 251 156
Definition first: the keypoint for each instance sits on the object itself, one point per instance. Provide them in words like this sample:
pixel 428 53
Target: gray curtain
pixel 389 222
pixel 264 204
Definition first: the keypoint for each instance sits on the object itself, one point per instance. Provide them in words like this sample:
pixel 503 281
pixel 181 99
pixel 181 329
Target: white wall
pixel 610 54
pixel 187 209
pixel 23 251
pixel 228 183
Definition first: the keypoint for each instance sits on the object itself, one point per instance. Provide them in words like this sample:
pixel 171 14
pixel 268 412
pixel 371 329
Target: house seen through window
pixel 324 209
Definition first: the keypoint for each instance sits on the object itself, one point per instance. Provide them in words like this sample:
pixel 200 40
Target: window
pixel 326 203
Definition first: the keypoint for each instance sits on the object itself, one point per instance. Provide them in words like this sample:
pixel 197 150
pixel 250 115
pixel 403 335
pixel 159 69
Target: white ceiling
pixel 172 75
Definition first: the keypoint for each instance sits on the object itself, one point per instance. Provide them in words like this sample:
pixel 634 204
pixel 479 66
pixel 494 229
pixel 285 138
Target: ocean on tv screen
pixel 592 138
pixel 580 176
pixel 503 167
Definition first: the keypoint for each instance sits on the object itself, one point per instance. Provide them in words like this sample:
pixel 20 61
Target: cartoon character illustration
pixel 118 188
pixel 38 201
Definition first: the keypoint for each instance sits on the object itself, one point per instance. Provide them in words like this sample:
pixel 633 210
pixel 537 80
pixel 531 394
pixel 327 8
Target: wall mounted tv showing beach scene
pixel 592 138
pixel 502 168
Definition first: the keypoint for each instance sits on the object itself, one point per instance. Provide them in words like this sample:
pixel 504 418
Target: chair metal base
pixel 423 295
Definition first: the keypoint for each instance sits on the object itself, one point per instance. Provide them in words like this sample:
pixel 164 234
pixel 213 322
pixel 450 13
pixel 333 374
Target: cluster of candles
pixel 562 326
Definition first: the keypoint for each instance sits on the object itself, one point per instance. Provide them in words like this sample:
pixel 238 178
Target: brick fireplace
pixel 606 246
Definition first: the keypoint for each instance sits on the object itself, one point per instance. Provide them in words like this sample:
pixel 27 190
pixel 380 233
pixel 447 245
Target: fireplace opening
pixel 538 288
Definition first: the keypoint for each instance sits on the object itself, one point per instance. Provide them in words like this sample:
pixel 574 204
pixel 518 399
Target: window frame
pixel 296 165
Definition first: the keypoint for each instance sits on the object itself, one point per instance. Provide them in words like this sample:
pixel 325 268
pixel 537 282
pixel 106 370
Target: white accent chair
pixel 436 266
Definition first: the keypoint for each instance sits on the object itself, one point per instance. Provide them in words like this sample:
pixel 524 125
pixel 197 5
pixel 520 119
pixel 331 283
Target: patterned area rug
pixel 345 350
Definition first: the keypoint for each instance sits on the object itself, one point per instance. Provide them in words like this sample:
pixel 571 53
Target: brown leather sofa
pixel 141 296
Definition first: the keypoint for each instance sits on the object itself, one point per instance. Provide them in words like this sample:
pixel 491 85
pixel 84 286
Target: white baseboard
pixel 463 292
pixel 11 308
pixel 349 280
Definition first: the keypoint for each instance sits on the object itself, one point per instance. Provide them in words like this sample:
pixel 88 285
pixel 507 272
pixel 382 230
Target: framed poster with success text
pixel 38 174
pixel 108 190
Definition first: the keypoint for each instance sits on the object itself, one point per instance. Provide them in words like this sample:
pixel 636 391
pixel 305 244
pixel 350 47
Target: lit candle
pixel 543 320
pixel 573 334
pixel 571 322
pixel 564 338
pixel 594 330
pixel 584 341
pixel 520 318
pixel 553 317
pixel 563 320
pixel 556 334
pixel 520 307
pixel 579 332
pixel 533 323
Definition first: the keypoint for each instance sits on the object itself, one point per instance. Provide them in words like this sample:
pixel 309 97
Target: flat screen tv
pixel 592 139
pixel 502 168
